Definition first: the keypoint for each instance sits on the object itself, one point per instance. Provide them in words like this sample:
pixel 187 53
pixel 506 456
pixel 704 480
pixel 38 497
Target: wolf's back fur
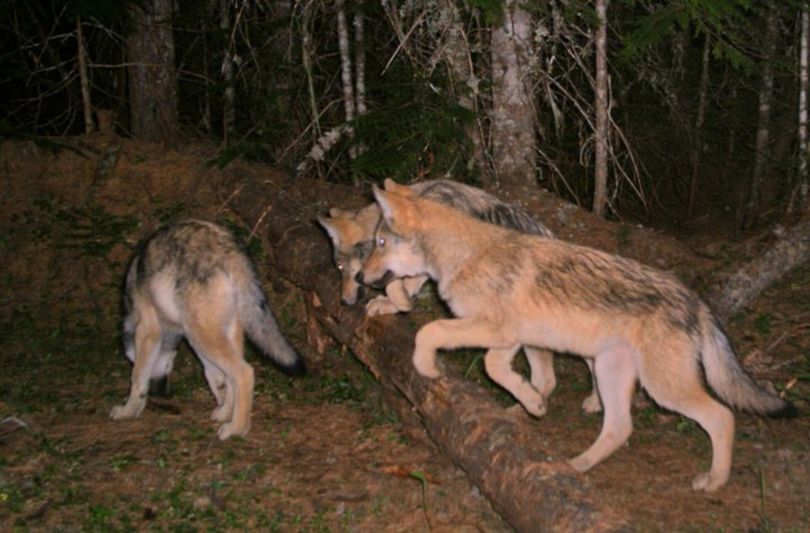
pixel 481 205
pixel 192 279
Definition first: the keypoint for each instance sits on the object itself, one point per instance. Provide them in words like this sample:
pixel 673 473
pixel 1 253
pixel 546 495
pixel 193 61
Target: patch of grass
pixel 340 390
pixel 251 472
pixel 11 498
pixel 98 518
pixel 687 426
pixel 762 323
pixel 121 462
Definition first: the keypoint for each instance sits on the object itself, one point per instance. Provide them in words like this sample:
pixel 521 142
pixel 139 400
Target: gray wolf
pixel 352 236
pixel 509 289
pixel 191 279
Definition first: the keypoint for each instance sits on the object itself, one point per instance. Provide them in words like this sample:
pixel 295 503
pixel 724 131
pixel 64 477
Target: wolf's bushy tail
pixel 261 327
pixel 731 382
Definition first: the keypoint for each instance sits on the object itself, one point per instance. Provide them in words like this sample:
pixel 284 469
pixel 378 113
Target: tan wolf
pixel 352 235
pixel 191 279
pixel 510 289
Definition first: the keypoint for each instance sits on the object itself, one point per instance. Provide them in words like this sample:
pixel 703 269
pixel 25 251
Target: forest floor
pixel 324 453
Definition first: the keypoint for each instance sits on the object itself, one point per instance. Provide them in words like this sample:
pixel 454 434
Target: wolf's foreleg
pixel 398 297
pixel 454 333
pixel 219 388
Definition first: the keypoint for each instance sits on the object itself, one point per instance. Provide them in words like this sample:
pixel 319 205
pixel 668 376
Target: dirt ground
pixel 324 453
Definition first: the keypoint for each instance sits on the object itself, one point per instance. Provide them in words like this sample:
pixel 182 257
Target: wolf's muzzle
pixel 378 284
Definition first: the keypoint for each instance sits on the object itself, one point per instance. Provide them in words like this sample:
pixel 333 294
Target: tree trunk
pixel 229 95
pixel 457 55
pixel 81 52
pixel 790 251
pixel 697 144
pixel 360 62
pixel 804 82
pixel 307 53
pixel 152 80
pixel 504 455
pixel 345 67
pixel 601 112
pixel 752 206
pixel 513 140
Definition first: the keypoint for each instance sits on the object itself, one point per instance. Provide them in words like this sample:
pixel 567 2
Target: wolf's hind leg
pixel 679 387
pixel 498 363
pixel 541 365
pixel 223 348
pixel 162 368
pixel 219 388
pixel 146 347
pixel 592 404
pixel 616 373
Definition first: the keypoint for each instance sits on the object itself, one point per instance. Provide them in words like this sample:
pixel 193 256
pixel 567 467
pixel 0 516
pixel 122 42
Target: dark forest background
pixel 704 97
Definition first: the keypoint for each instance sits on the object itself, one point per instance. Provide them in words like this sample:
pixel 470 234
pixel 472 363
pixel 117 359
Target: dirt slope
pixel 324 453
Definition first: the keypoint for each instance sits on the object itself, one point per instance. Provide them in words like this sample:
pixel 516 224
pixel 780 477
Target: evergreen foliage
pixel 419 129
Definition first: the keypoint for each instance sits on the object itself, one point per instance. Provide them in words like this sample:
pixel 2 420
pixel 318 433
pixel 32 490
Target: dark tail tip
pixel 298 368
pixel 788 411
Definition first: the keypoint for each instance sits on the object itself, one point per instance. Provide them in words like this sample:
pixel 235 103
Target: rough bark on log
pixel 502 453
pixel 749 281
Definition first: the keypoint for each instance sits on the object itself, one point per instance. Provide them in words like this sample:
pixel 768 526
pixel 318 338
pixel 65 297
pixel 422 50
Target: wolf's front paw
pixel 381 305
pixel 707 482
pixel 126 411
pixel 536 409
pixel 229 430
pixel 221 414
pixel 426 366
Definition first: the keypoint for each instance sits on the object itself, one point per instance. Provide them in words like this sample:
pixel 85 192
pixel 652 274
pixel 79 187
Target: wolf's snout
pixel 352 299
pixel 377 284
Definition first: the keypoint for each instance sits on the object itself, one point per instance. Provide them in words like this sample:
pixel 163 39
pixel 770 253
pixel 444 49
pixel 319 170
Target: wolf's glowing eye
pixel 341 267
pixel 381 242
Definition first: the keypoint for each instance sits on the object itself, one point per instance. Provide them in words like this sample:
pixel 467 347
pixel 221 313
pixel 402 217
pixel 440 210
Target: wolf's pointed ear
pixel 330 227
pixel 392 186
pixel 336 212
pixel 395 208
pixel 382 200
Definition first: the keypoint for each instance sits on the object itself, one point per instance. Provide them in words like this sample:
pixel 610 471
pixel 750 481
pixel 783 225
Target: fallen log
pixel 503 454
pixel 790 251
